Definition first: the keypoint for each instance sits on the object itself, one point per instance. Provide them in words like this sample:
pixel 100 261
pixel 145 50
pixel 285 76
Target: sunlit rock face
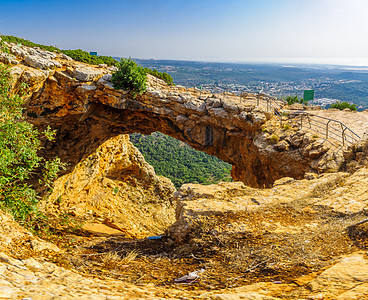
pixel 114 191
pixel 80 102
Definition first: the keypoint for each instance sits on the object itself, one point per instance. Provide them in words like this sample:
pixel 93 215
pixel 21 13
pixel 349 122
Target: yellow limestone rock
pixel 116 188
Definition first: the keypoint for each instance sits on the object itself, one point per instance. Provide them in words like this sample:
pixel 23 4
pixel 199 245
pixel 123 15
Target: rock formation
pixel 115 191
pixel 80 102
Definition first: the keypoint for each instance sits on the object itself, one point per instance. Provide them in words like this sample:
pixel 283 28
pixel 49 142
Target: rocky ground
pixel 296 240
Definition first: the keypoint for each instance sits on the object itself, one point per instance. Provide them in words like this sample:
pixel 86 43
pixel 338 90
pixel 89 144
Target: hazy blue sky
pixel 213 30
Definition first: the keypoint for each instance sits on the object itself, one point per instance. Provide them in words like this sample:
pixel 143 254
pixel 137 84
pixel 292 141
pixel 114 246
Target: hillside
pixel 178 161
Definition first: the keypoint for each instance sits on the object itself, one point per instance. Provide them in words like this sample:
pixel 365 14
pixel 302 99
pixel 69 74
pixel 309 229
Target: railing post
pixel 301 121
pixel 327 128
pixel 343 135
pixel 280 116
pixel 309 121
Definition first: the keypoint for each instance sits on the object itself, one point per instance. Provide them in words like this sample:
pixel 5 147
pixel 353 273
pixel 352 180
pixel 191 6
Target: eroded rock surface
pixel 115 191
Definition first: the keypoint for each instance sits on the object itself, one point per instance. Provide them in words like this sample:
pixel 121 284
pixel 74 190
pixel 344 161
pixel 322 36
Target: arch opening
pixel 179 162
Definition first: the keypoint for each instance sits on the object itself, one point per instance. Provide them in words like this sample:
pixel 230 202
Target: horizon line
pixel 343 62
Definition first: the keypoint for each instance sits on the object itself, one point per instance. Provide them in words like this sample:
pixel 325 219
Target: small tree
pixel 130 76
pixel 342 105
pixel 19 144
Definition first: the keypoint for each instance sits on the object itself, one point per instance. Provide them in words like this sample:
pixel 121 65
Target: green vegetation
pixel 19 144
pixel 84 56
pixel 179 162
pixel 294 99
pixel 17 40
pixel 342 105
pixel 162 75
pixel 130 76
pixel 274 138
pixel 78 55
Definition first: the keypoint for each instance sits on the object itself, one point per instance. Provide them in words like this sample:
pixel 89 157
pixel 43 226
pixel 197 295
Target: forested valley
pixel 178 161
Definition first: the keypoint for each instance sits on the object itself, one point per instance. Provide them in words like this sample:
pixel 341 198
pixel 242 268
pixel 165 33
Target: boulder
pixel 7 58
pixel 41 63
pixel 349 273
pixel 87 74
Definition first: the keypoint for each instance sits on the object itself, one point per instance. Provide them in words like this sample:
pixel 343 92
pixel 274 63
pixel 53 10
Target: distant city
pixel 281 89
pixel 331 84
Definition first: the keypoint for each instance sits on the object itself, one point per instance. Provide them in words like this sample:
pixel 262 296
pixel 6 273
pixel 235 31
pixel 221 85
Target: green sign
pixel 308 95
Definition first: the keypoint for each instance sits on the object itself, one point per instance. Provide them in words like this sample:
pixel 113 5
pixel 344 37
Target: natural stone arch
pixel 86 113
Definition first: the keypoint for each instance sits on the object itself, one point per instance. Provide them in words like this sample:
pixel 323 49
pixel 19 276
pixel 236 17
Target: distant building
pixel 93 53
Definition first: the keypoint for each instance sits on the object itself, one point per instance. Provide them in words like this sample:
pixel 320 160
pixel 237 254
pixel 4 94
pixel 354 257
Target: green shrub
pixel 19 144
pixel 342 105
pixel 130 76
pixel 162 75
pixel 84 56
pixel 294 99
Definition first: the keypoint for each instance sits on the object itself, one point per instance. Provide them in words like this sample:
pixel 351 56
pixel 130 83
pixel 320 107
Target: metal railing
pixel 329 128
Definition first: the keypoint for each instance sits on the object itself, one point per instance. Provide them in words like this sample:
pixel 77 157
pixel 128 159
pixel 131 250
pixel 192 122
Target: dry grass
pixel 279 243
pixel 114 260
pixel 324 187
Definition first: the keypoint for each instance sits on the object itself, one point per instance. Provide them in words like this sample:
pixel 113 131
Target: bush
pixel 162 75
pixel 84 56
pixel 342 105
pixel 294 99
pixel 130 76
pixel 19 144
